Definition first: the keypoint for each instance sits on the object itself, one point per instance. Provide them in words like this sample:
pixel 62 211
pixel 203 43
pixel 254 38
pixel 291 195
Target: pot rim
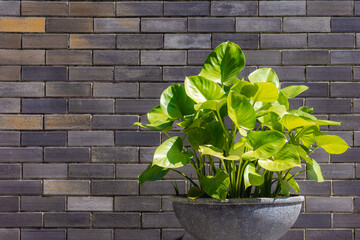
pixel 240 201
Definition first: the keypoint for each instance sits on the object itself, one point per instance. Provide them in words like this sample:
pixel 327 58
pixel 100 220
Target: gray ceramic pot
pixel 247 219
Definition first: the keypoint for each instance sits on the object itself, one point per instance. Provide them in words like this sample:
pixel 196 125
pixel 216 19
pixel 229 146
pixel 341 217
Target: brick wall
pixel 76 75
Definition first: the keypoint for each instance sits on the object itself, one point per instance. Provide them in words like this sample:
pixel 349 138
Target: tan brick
pixel 67 122
pixel 9 73
pixel 22 24
pixel 21 122
pixel 22 57
pixel 10 40
pixel 94 41
pixel 66 187
pixel 40 8
pixel 91 9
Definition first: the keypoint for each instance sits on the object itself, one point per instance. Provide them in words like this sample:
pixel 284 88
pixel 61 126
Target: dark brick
pixel 164 187
pixel 90 234
pixel 306 24
pixel 10 234
pixel 315 89
pixel 92 41
pixel 9 8
pixel 114 187
pixel 187 41
pixel 345 57
pixel 357 12
pixel 137 234
pixel 314 188
pixel 293 235
pixel 91 105
pixel 43 138
pixel 313 220
pixel 345 89
pixel 348 122
pixel 91 9
pixel 166 204
pixel 9 204
pixel 69 121
pixel 275 8
pixel 116 25
pixel 15 187
pixel 346 135
pixel 43 73
pixel 118 220
pixel 137 203
pixel 115 154
pixel 357 203
pixel 329 105
pixel 288 73
pixel 328 234
pixel 10 171
pixel 139 41
pixel 179 73
pixel 9 105
pixel 346 187
pixel 133 9
pixel 143 73
pixel 119 57
pixel 331 40
pixel 283 40
pixel 9 138
pixel 211 25
pixel 193 8
pixel 10 40
pixel 91 73
pixel 67 220
pixel 152 90
pixel 347 220
pixel 159 220
pixel 89 171
pixel 146 154
pixel 246 41
pixel 263 57
pixel 129 171
pixel 135 105
pixel 163 24
pixel 197 57
pixel 114 121
pixel 45 41
pixel 20 220
pixel 8 154
pixel 35 8
pixel 43 105
pixel 171 234
pixel 68 57
pixel 234 8
pixel 53 154
pixel 298 57
pixel 41 203
pixel 335 8
pixel 66 187
pixel 43 234
pixel 131 138
pixel 331 73
pixel 9 73
pixel 115 90
pixel 44 171
pixel 92 138
pixel 345 24
pixel 22 57
pixel 163 57
pixel 69 25
pixel 256 24
pixel 327 204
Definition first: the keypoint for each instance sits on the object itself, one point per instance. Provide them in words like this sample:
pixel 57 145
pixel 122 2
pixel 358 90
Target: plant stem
pixel 183 174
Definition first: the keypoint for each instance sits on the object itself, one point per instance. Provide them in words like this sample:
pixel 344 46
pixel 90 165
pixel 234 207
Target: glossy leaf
pixel 331 143
pixel 241 111
pixel 252 177
pixel 197 136
pixel 216 152
pixel 283 100
pixel 266 144
pixel 266 75
pixel 224 63
pixel 315 171
pixel 285 187
pixel 285 159
pixel 292 183
pixel 291 121
pixel 307 136
pixel 266 92
pixel 280 110
pixel 293 91
pixel 201 89
pixel 216 186
pixel 326 122
pixel 152 173
pixel 158 120
pixel 195 193
pixel 215 105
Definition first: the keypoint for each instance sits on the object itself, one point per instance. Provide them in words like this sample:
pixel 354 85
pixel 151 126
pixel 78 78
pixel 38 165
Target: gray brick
pixel 137 234
pixel 293 235
pixel 91 73
pixel 44 171
pixel 43 138
pixel 193 8
pixel 348 122
pixel 345 24
pixel 115 90
pixel 159 220
pixel 115 154
pixel 289 73
pixel 346 135
pixel 43 234
pixel 131 171
pixel 187 41
pixel 245 41
pixel 357 138
pixel 263 57
pixel 306 24
pixel 345 89
pixel 66 187
pixel 357 12
pixel 315 89
pixel 299 57
pixel 118 220
pixel 357 204
pixel 163 24
pixel 90 234
pixel 137 203
pixel 114 187
pixel 345 57
pixel 142 73
pixel 9 204
pixel 44 105
pixel 233 8
pixel 283 8
pixel 166 204
pixel 211 24
pixel 68 57
pixel 329 204
pixel 313 220
pixel 335 8
pixel 114 121
pixel 69 25
pixel 131 138
pixel 152 90
pixel 256 24
pixel 314 188
pixel 139 41
pixel 90 138
pixel 20 220
pixel 9 105
pixel 346 220
pixel 347 187
pixel 35 8
pixel 9 73
pixel 40 203
pixel 10 234
pixel 170 234
pixel 331 73
pixel 22 57
pixel 132 9
pixel 91 105
pixel 179 73
pixel 90 203
pixel 111 57
pixel 283 40
pixel 91 171
pixel 163 57
pixel 10 171
pixel 197 57
pixel 92 9
pixel 43 73
pixel 164 187
pixel 116 25
pixel 23 187
pixel 92 41
pixel 333 234
pixel 330 105
pixel 146 154
pixel 9 138
pixel 18 89
pixel 45 41
pixel 53 154
pixel 67 220
pixel 357 234
pixel 10 8
pixel 10 40
pixel 8 154
pixel 331 40
pixel 356 73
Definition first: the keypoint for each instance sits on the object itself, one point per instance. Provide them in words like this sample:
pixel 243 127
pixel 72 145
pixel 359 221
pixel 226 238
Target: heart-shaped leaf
pixel 216 186
pixel 285 159
pixel 266 92
pixel 195 193
pixel 315 171
pixel 266 144
pixel 152 173
pixel 241 111
pixel 331 143
pixel 266 75
pixel 294 90
pixel 201 89
pixel 252 177
pixel 291 121
pixel 216 152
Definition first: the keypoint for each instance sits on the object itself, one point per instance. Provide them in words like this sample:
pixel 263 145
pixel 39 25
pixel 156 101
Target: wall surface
pixel 76 75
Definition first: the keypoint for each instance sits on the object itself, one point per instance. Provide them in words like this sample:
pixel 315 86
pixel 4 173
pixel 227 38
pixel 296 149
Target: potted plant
pixel 243 142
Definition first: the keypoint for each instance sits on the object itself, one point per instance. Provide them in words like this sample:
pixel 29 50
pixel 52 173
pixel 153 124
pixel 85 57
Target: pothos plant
pixel 243 140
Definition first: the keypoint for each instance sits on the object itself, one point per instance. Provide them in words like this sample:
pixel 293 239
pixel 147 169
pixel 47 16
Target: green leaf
pixel 294 90
pixel 252 177
pixel 266 144
pixel 215 105
pixel 241 111
pixel 266 75
pixel 175 103
pixel 158 120
pixel 201 89
pixel 307 136
pixel 292 182
pixel 224 63
pixel 195 193
pixel 280 110
pixel 217 138
pixel 216 186
pixel 285 159
pixel 282 100
pixel 152 173
pixel 315 171
pixel 266 92
pixel 291 121
pixel 303 154
pixel 169 155
pixel 326 122
pixel 331 143
pixel 157 126
pixel 216 152
pixel 285 187
pixel 197 136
